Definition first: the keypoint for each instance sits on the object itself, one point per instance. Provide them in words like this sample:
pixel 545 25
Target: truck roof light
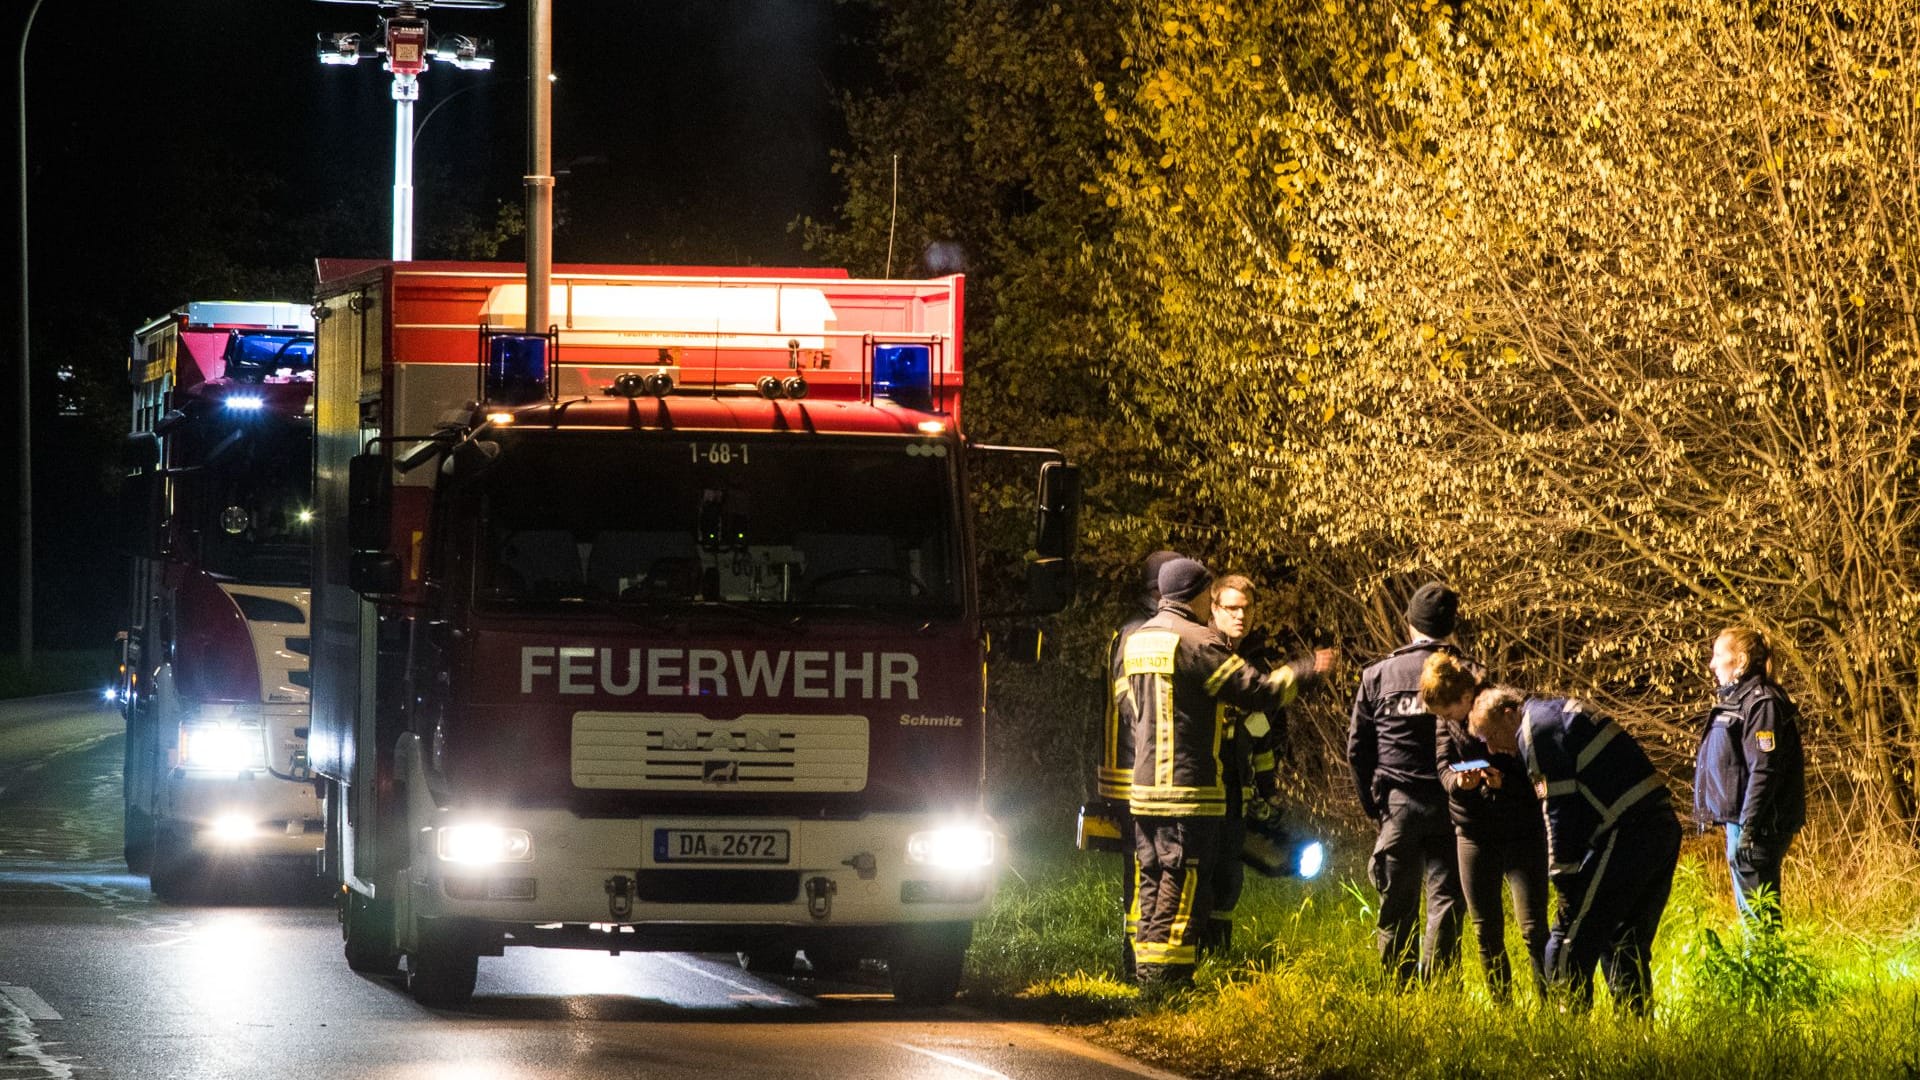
pixel 660 383
pixel 500 419
pixel 932 427
pixel 903 374
pixel 516 367
pixel 795 386
pixel 769 387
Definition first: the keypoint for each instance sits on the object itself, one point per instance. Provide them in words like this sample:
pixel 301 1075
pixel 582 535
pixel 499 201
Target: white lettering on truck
pixel 706 673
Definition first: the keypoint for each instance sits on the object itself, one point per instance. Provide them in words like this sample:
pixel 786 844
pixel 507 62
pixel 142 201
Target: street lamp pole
pixel 406 91
pixel 25 421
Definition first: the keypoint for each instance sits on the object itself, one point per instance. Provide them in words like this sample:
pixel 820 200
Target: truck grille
pixel 682 752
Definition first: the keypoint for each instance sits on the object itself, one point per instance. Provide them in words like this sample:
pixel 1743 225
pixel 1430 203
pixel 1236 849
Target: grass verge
pixel 56 672
pixel 1300 994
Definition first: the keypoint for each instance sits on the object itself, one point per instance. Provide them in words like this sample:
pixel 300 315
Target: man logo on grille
pixel 720 771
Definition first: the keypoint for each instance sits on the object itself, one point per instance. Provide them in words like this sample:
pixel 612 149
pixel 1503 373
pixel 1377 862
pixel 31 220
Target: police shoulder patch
pixel 1765 739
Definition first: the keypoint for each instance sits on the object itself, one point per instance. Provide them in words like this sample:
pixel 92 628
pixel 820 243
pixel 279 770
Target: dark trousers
pixel 1175 894
pixel 1757 870
pixel 1610 909
pixel 1519 860
pixel 1229 876
pixel 1416 848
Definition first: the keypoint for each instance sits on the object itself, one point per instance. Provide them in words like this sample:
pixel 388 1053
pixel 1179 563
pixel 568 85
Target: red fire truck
pixel 213 676
pixel 659 630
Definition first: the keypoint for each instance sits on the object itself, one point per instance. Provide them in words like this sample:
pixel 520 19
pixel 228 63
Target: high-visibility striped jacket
pixel 1180 674
pixel 1113 777
pixel 1592 776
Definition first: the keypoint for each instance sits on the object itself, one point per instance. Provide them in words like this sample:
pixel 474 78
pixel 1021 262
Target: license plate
pixel 720 845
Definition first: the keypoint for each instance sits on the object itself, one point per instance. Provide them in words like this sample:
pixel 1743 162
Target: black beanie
pixel 1154 562
pixel 1183 579
pixel 1433 609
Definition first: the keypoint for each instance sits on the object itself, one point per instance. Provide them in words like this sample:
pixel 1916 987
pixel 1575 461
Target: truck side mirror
pixel 373 573
pixel 1057 530
pixel 1049 585
pixel 140 451
pixel 1021 643
pixel 139 515
pixel 369 502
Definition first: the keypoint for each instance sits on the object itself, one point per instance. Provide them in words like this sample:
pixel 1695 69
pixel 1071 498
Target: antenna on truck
pixel 893 215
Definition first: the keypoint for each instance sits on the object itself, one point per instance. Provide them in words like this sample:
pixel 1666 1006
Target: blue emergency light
pixel 903 374
pixel 516 368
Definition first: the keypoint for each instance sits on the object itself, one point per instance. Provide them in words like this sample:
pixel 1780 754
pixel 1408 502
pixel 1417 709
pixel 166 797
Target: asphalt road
pixel 100 980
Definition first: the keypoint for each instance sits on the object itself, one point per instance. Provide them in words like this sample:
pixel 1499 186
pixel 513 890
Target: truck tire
pixel 441 969
pixel 174 872
pixel 367 925
pixel 925 964
pixel 138 833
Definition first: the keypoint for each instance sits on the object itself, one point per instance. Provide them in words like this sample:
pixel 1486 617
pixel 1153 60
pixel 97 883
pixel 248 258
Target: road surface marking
pixel 751 992
pixel 30 1004
pixel 958 1063
pixel 23 1043
pixel 1082 1048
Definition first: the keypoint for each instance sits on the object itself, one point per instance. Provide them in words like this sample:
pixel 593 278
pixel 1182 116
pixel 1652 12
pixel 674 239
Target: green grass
pixel 1301 993
pixel 56 672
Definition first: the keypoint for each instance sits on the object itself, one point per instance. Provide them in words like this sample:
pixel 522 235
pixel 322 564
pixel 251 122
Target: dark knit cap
pixel 1183 579
pixel 1154 562
pixel 1433 610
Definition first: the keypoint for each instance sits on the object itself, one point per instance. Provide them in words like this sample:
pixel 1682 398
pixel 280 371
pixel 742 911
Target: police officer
pixel 1249 745
pixel 1751 775
pixel 1113 776
pixel 1390 748
pixel 1612 838
pixel 1179 673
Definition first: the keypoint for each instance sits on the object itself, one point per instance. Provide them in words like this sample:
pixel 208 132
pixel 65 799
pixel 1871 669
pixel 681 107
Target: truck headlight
pixel 483 845
pixel 207 746
pixel 952 847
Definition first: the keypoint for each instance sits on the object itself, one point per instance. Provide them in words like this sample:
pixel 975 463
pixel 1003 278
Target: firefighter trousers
pixel 1175 890
pixel 1609 910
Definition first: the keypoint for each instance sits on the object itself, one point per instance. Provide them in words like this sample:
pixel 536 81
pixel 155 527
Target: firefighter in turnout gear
pixel 1250 742
pixel 1113 779
pixel 1180 673
pixel 1612 838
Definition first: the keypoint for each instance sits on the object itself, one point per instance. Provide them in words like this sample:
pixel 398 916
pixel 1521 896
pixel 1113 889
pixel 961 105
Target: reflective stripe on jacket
pixel 1180 673
pixel 1593 774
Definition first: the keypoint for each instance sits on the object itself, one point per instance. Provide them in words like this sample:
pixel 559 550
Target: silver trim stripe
pixel 688 752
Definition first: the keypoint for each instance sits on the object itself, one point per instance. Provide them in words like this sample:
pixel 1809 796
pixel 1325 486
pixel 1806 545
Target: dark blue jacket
pixel 1752 769
pixel 1591 775
pixel 1390 741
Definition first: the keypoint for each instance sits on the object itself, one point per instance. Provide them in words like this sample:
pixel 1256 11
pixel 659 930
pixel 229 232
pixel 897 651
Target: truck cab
pixel 217 518
pixel 657 631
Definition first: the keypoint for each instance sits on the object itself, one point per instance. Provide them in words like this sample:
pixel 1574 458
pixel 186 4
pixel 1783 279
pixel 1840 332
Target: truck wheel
pixel 138 831
pixel 368 927
pixel 174 872
pixel 441 970
pixel 924 966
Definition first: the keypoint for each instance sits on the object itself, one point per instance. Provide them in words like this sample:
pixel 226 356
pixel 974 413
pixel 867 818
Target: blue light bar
pixel 903 374
pixel 516 368
pixel 246 403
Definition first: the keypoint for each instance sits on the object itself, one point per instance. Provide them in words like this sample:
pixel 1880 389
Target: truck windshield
pixel 672 522
pixel 242 496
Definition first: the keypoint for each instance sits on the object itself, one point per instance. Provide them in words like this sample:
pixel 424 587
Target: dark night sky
pixel 170 141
